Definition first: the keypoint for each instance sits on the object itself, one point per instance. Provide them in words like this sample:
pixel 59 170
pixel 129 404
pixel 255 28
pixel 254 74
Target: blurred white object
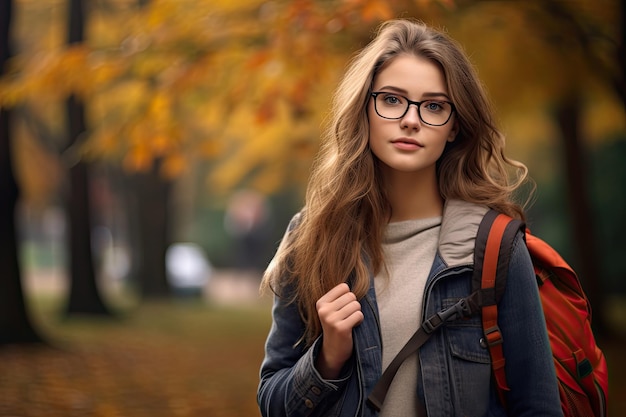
pixel 187 267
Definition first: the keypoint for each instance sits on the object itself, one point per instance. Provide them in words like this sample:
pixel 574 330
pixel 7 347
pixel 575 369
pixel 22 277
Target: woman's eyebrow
pixel 436 94
pixel 405 92
pixel 396 89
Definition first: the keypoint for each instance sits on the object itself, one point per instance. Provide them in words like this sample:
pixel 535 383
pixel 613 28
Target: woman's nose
pixel 411 118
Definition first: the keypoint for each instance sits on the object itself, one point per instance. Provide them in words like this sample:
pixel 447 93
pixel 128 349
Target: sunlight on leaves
pixel 245 85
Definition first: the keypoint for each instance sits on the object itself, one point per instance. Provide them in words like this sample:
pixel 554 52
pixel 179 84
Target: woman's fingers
pixel 337 305
pixel 339 312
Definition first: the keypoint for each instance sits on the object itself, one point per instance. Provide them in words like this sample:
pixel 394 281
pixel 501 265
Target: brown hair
pixel 339 232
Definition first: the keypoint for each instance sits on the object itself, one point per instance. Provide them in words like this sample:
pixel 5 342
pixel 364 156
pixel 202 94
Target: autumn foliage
pixel 246 84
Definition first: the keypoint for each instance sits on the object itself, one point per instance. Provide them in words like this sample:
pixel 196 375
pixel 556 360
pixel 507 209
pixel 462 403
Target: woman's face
pixel 408 144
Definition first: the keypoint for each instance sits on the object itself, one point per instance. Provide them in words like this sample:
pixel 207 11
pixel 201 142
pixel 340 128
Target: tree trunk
pixel 84 295
pixel 15 324
pixel 151 208
pixel 152 213
pixel 588 267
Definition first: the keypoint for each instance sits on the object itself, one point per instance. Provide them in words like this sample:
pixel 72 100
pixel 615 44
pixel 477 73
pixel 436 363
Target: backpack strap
pixel 492 253
pixel 459 310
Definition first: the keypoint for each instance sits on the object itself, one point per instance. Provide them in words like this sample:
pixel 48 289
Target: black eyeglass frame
pixel 418 104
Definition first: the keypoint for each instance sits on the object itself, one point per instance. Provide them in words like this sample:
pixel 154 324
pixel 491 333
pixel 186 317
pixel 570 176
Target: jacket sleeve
pixel 289 383
pixel 529 365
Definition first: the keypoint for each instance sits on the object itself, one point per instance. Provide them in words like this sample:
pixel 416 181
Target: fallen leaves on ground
pixel 169 359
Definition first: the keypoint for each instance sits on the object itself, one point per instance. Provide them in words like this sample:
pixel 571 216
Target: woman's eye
pixel 393 100
pixel 433 106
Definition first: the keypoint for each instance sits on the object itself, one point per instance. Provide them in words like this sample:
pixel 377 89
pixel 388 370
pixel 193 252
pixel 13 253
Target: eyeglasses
pixel 394 106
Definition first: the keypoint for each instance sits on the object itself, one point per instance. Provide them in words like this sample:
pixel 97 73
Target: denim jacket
pixel 455 369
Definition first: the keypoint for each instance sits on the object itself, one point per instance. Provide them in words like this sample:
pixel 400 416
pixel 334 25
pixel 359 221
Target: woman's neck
pixel 413 195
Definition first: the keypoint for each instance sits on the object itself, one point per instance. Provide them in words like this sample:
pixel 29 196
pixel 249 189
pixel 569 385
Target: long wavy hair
pixel 339 232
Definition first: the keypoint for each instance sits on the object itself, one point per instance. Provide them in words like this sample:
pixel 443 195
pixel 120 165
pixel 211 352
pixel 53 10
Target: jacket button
pixel 483 343
pixel 316 390
pixel 308 403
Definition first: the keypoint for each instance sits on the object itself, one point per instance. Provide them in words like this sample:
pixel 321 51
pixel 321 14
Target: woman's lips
pixel 407 144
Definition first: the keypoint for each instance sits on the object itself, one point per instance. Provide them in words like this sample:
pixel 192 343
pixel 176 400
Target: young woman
pixel 409 166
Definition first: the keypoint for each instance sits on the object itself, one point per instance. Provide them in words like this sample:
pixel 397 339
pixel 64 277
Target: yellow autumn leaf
pixel 210 148
pixel 160 144
pixel 270 179
pixel 174 165
pixel 159 107
pixel 138 159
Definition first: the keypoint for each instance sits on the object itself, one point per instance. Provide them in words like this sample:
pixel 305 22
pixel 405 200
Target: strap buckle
pixel 493 336
pixel 459 310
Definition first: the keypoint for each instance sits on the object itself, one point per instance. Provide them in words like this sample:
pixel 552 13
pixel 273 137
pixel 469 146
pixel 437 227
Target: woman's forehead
pixel 411 74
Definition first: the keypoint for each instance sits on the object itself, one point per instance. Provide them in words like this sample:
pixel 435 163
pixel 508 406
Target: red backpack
pixel 581 367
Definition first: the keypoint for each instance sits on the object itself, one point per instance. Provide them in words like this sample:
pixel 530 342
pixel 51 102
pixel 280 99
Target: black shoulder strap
pixel 492 296
pixel 457 311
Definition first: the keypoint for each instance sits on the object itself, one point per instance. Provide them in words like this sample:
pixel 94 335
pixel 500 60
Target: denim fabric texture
pixel 455 369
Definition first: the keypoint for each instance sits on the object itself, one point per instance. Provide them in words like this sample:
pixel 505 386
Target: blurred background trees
pixel 84 296
pixel 186 103
pixel 15 322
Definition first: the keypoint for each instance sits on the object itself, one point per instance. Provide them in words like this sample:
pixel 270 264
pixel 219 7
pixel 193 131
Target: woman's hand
pixel 339 312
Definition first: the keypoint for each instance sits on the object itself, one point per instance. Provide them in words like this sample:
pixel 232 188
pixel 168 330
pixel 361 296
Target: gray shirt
pixel 409 249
